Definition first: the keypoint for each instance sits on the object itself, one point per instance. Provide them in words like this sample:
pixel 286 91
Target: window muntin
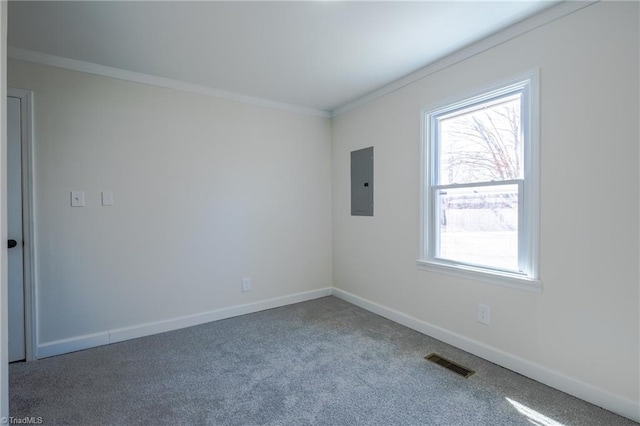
pixel 480 193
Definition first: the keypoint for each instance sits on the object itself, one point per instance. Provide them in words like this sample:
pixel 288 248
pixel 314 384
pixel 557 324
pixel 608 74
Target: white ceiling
pixel 318 55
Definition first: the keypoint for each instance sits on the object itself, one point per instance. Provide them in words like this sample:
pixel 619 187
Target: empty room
pixel 320 212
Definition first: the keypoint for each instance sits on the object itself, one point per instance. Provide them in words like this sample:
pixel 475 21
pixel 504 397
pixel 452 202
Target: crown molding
pixel 152 80
pixel 544 17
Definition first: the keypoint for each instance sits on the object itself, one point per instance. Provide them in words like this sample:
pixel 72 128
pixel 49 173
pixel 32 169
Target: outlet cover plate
pixel 246 284
pixel 484 314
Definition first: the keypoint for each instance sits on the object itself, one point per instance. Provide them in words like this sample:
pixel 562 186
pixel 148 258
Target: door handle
pixel 12 243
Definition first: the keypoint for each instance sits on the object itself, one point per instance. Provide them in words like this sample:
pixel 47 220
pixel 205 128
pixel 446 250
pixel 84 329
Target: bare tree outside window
pixel 479 224
pixel 482 145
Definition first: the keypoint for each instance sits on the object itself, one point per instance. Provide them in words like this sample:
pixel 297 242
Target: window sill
pixel 477 274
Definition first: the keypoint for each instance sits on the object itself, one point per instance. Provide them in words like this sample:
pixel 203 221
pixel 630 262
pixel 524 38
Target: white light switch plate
pixel 77 198
pixel 107 198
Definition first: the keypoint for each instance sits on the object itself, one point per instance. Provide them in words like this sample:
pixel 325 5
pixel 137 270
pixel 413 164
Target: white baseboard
pixel 554 379
pixel 59 347
pixel 72 344
pixel 589 393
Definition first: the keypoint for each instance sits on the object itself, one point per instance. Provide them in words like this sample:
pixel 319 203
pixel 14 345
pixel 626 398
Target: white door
pixel 14 230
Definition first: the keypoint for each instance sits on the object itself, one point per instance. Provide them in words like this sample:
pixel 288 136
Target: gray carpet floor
pixel 323 362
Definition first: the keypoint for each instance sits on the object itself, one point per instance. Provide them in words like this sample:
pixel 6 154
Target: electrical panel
pixel 362 182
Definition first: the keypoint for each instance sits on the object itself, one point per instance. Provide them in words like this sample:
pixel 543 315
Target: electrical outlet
pixel 246 284
pixel 484 314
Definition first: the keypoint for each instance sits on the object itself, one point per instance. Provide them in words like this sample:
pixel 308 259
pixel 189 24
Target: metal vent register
pixel 450 365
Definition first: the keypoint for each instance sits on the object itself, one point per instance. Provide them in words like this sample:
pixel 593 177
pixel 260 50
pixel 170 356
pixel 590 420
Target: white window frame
pixel 529 189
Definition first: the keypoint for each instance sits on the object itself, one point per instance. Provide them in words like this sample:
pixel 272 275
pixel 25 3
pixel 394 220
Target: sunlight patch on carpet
pixel 533 416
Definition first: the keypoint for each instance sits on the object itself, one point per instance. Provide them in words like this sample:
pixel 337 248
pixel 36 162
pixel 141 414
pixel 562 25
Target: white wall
pixel 207 191
pixel 584 328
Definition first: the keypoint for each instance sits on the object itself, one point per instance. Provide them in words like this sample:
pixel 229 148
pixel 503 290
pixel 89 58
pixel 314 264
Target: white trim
pixel 152 80
pixel 28 224
pixel 78 343
pixel 528 85
pixel 127 333
pixel 546 16
pixel 592 394
pixel 4 310
pixel 502 279
pixel 557 380
pixel 533 176
pixel 72 344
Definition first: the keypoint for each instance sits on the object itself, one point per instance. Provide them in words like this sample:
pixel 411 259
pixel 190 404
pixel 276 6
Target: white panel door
pixel 14 231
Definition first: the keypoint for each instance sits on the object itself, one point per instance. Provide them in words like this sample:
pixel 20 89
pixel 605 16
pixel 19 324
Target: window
pixel 480 187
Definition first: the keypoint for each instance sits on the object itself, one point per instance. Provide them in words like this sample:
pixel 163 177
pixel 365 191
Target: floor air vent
pixel 456 368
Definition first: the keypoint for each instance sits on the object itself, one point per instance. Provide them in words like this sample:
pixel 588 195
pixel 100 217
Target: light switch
pixel 107 198
pixel 77 198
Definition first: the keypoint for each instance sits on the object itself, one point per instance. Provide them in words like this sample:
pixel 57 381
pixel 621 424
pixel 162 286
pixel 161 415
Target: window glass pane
pixel 481 144
pixel 479 225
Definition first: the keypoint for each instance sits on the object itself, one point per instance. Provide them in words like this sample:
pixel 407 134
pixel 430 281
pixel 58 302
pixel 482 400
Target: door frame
pixel 26 144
